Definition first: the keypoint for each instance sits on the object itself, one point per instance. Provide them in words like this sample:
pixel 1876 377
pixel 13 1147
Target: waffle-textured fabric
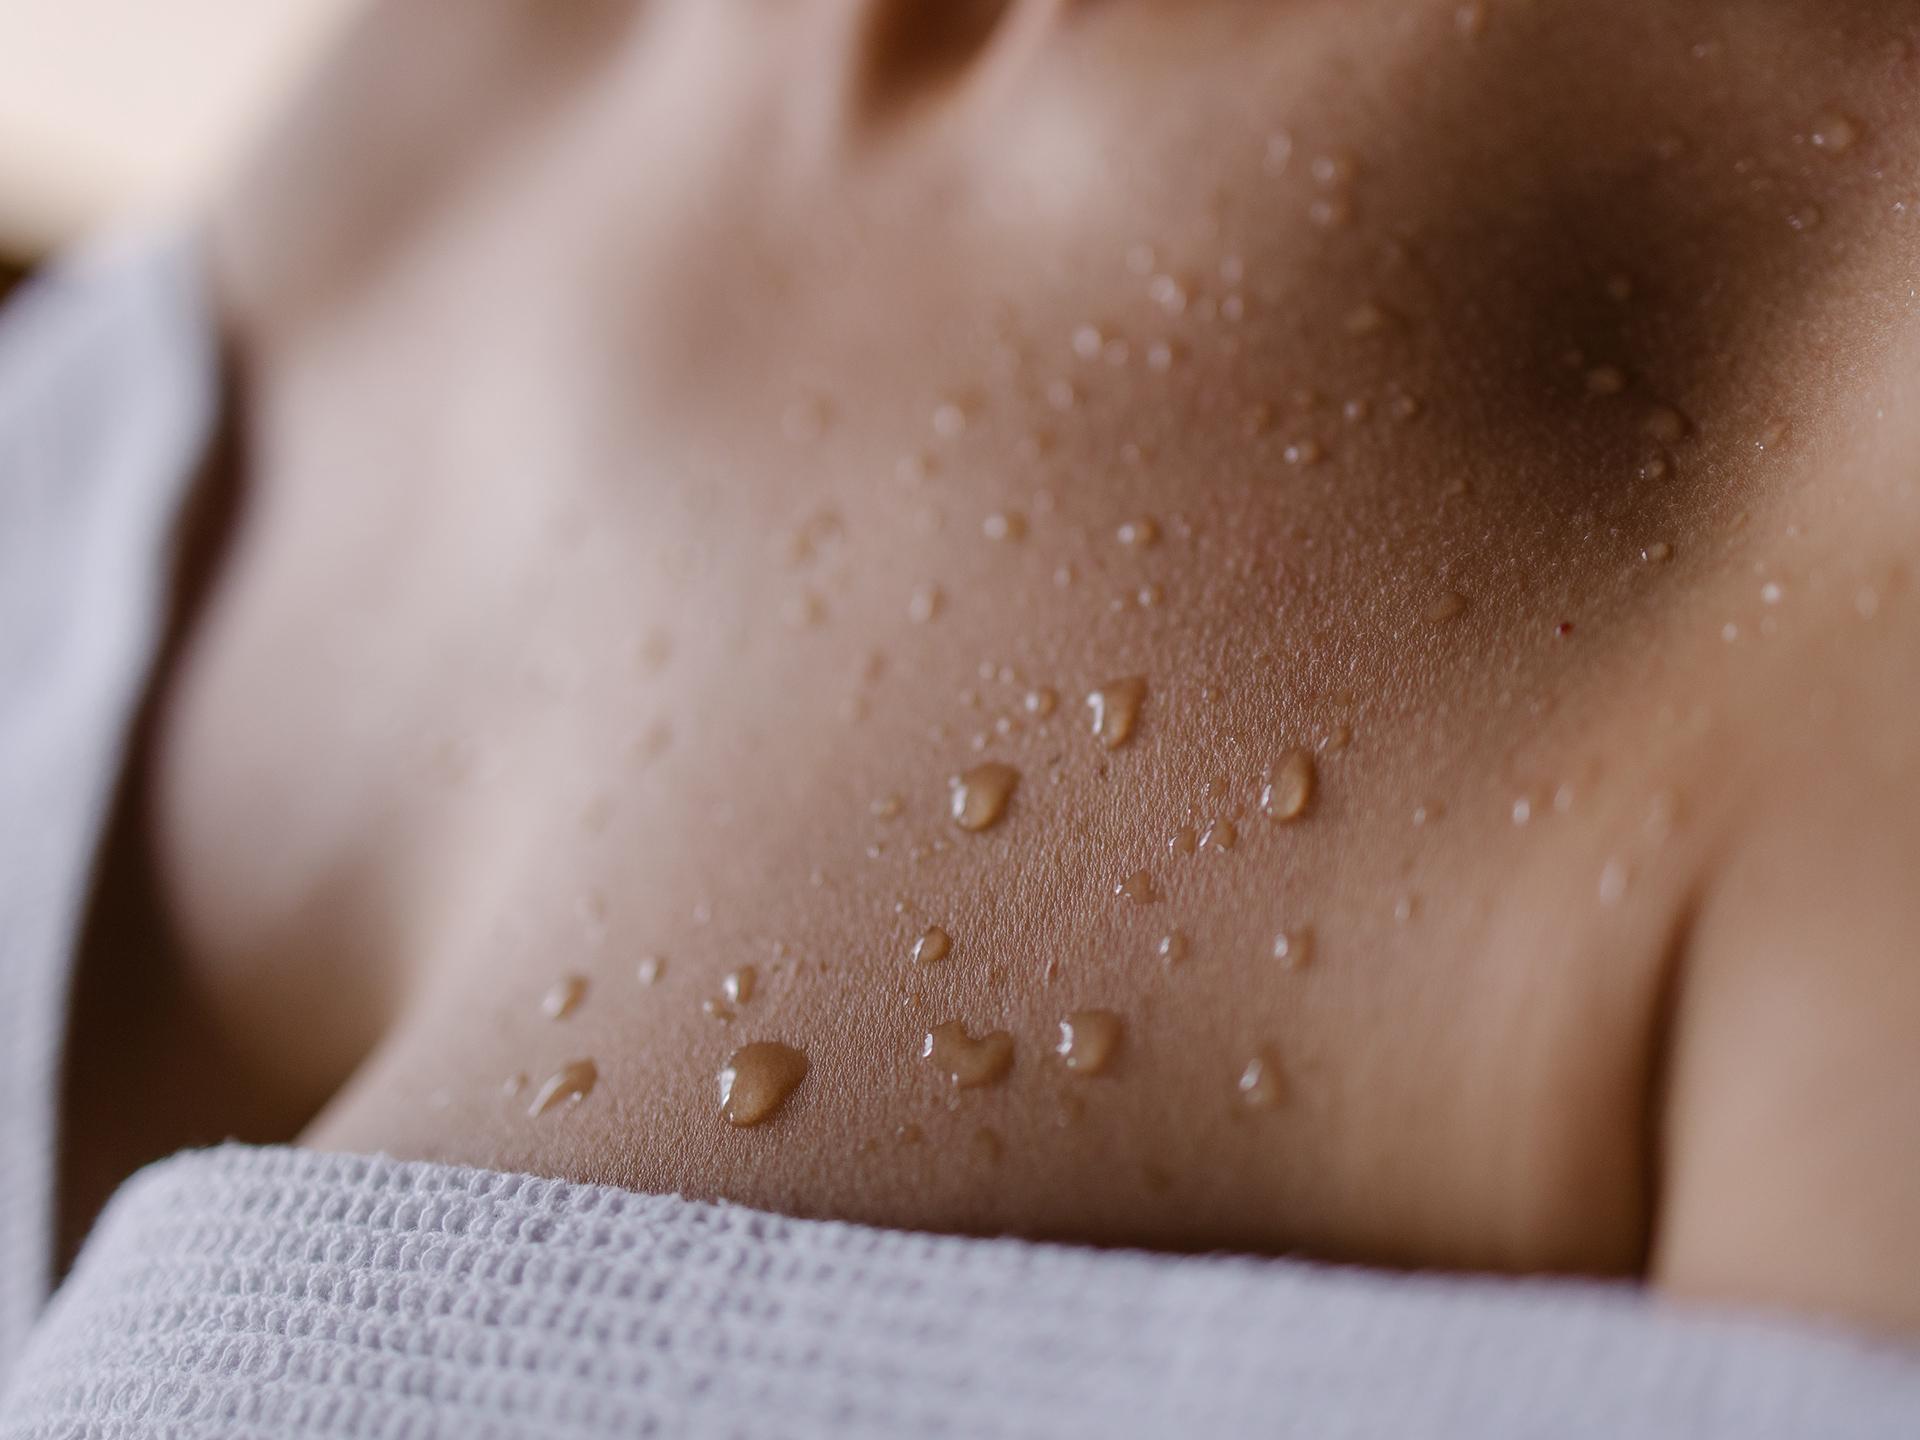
pixel 107 398
pixel 245 1292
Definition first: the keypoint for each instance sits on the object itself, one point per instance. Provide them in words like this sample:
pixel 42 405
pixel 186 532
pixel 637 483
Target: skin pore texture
pixel 673 440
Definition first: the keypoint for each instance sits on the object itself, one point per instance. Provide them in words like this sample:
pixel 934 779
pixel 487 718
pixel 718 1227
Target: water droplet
pixel 1160 356
pixel 1042 701
pixel 926 604
pixel 1262 1087
pixel 1293 949
pixel 1138 534
pixel 568 1085
pixel 970 1063
pixel 1173 947
pixel 1606 380
pixel 885 807
pixel 1522 810
pixel 1663 812
pixel 1338 738
pixel 1116 708
pixel 1771 593
pixel 1138 887
pixel 1004 525
pixel 1613 882
pixel 1659 552
pixel 1290 791
pixel 1357 410
pixel 949 420
pixel 1448 605
pixel 1405 908
pixel 1168 293
pixel 1833 132
pixel 739 986
pixel 1404 407
pixel 1183 841
pixel 1089 1039
pixel 1304 452
pixel 933 946
pixel 564 997
pixel 1279 153
pixel 717 1010
pixel 1087 341
pixel 1330 212
pixel 1806 219
pixel 1332 171
pixel 980 795
pixel 514 1083
pixel 1221 835
pixel 650 970
pixel 758 1079
pixel 1666 424
pixel 1367 319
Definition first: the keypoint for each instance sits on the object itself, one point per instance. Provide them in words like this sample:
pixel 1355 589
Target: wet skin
pixel 1523 401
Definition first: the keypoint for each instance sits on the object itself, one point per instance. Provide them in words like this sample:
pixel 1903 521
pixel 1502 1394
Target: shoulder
pixel 1789 1172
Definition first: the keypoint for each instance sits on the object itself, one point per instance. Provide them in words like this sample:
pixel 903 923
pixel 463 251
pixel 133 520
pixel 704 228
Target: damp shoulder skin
pixel 1463 465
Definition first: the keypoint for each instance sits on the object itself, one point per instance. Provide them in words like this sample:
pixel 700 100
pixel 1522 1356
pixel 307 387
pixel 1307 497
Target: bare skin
pixel 625 402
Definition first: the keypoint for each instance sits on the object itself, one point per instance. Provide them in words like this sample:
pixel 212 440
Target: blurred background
pixel 116 110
